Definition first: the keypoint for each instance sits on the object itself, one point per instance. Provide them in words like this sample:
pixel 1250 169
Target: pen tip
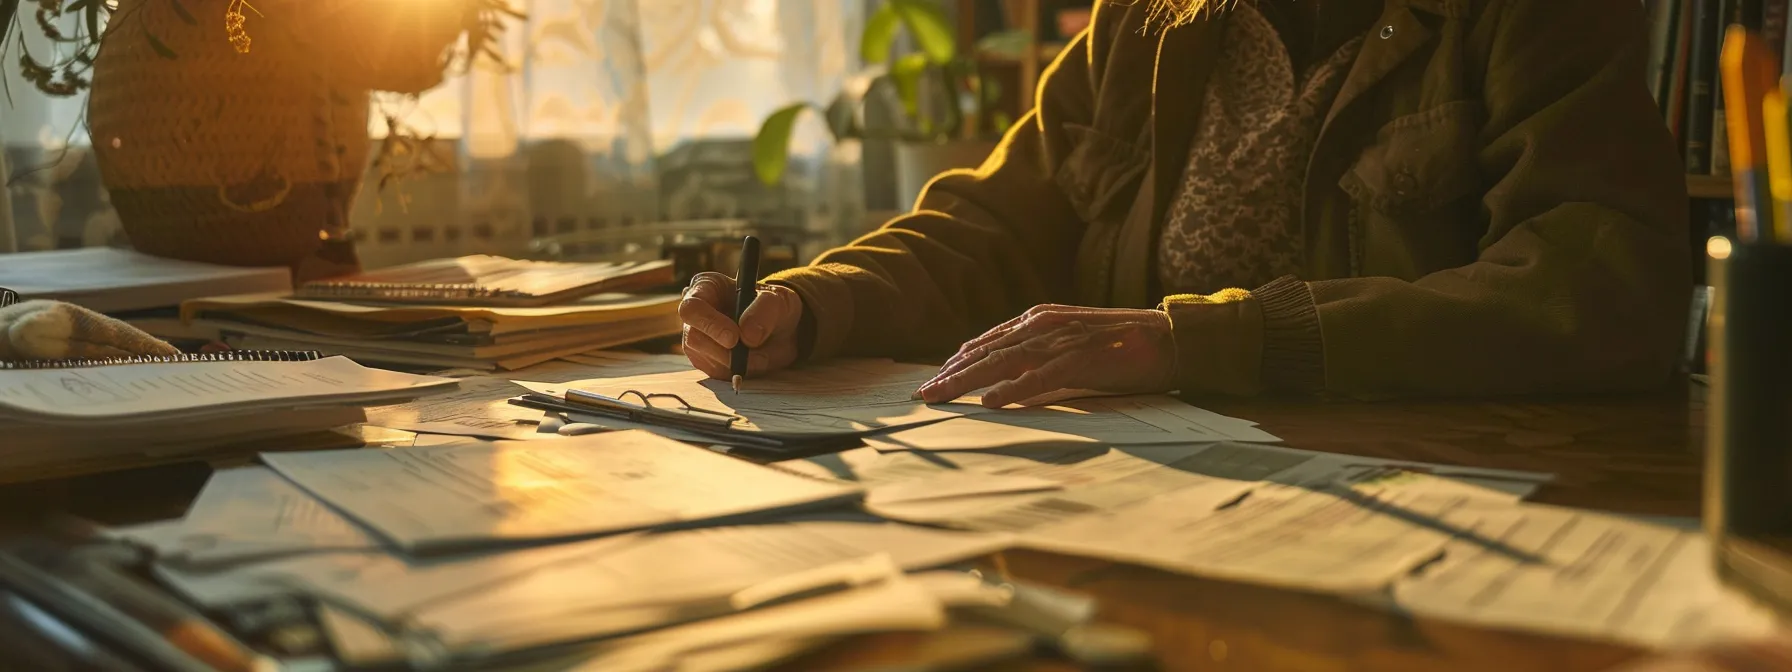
pixel 736 384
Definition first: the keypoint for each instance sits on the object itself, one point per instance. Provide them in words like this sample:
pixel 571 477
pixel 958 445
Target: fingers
pixel 1053 376
pixel 1002 364
pixel 705 354
pixel 702 308
pixel 1036 319
pixel 771 310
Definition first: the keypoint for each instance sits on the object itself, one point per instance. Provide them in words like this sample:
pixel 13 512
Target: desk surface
pixel 1628 455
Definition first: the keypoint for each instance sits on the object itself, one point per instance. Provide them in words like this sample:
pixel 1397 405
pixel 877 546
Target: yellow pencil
pixel 1748 71
pixel 1777 129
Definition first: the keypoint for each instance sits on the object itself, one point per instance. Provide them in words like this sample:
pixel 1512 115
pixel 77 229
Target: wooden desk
pixel 1628 455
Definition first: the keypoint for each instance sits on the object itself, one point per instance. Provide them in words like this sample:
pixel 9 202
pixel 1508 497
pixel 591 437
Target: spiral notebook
pixel 490 281
pixel 226 356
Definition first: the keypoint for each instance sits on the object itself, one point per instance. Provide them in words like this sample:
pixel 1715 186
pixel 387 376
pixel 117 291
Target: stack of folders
pixel 69 417
pixel 482 313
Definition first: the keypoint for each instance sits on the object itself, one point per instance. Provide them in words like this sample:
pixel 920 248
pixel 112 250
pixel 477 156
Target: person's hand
pixel 1051 348
pixel 769 327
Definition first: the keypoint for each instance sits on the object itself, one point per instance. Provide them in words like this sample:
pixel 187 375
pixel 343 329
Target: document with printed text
pixel 1585 574
pixel 514 491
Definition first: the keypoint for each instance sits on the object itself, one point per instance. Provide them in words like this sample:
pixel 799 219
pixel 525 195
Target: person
pixel 1365 198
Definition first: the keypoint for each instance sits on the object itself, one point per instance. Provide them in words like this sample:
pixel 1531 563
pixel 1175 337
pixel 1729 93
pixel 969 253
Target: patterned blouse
pixel 1235 221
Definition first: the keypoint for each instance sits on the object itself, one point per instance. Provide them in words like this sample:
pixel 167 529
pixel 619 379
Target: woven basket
pixel 251 158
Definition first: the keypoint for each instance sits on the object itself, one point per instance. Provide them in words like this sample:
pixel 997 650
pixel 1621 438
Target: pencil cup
pixel 1748 470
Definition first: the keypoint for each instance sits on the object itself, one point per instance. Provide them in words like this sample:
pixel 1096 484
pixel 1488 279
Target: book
pixel 490 280
pixel 416 336
pixel 1701 86
pixel 111 280
pixel 1664 27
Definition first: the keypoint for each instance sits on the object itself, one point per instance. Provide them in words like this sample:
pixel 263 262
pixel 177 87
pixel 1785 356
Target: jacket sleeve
pixel 1582 279
pixel 981 246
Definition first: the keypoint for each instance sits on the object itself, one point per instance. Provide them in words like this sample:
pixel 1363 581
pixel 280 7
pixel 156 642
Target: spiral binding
pixel 226 356
pixel 403 291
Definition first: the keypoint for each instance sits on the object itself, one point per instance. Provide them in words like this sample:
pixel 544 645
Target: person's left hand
pixel 1051 348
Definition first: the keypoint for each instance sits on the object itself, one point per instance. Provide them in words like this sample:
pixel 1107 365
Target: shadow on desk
pixel 1630 455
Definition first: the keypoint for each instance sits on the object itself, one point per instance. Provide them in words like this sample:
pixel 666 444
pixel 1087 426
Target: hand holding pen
pixel 767 327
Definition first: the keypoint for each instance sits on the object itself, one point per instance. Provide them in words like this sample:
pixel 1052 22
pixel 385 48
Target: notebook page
pixel 145 390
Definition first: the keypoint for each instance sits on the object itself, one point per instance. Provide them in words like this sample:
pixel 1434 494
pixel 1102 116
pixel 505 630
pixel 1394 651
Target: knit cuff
pixel 1293 346
pixel 827 309
pixel 1218 342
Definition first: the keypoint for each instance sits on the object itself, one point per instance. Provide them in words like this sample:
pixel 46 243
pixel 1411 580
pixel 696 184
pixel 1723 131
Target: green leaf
pixel 906 75
pixel 879 35
pixel 771 146
pixel 1002 122
pixel 161 49
pixel 927 23
pixel 185 15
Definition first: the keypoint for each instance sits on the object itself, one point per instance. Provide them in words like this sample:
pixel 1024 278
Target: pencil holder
pixel 1748 486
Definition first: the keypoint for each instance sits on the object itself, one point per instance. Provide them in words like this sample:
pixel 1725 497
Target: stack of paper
pixel 253 535
pixel 446 336
pixel 466 495
pixel 493 281
pixel 1017 489
pixel 1584 574
pixel 62 421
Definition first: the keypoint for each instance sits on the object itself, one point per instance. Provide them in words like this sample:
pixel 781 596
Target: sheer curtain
pixel 609 123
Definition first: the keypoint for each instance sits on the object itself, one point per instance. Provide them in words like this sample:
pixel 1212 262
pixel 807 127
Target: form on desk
pixel 432 497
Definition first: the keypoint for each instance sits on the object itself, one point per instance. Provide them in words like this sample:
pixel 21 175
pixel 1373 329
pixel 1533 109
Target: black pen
pixel 746 286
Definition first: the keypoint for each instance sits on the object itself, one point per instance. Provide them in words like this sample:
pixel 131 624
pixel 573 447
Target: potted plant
pixel 946 114
pixel 234 134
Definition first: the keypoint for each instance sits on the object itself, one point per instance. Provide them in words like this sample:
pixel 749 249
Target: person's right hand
pixel 769 327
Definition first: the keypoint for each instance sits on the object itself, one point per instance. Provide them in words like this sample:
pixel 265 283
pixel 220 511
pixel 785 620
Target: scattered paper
pixel 844 397
pixel 1354 539
pixel 1585 574
pixel 480 408
pixel 896 604
pixel 1112 421
pixel 246 513
pixel 689 565
pixel 422 498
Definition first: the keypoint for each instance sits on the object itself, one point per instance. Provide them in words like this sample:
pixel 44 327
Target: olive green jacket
pixel 1492 206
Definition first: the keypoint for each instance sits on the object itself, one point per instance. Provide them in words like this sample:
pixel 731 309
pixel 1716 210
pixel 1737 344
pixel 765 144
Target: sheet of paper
pixel 606 364
pixel 116 393
pixel 422 498
pixel 251 512
pixel 1584 574
pixel 849 396
pixel 1087 478
pixel 1113 421
pixel 480 408
pixel 1094 478
pixel 894 605
pixel 1347 540
pixel 954 485
pixel 686 565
